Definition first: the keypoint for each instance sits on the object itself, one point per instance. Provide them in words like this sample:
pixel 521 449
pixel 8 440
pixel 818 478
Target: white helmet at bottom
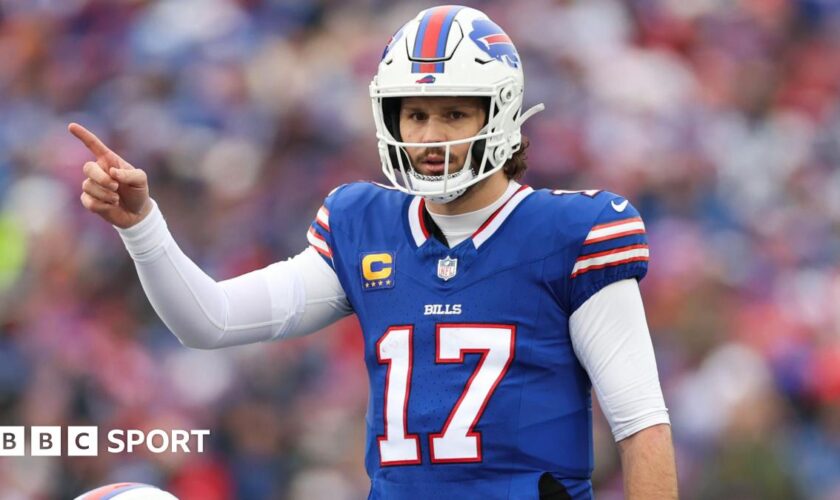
pixel 450 51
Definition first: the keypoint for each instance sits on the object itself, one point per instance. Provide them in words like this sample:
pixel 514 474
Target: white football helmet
pixel 127 491
pixel 450 51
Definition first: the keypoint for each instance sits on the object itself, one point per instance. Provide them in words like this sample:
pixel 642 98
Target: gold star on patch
pixel 380 282
pixel 367 285
pixel 388 282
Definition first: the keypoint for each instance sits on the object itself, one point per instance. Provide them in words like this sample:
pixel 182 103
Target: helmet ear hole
pixel 507 94
pixel 501 153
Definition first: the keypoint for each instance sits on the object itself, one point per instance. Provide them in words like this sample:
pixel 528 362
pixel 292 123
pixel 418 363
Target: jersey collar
pixel 419 222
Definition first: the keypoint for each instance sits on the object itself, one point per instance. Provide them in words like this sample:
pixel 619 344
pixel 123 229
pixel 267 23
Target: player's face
pixel 438 119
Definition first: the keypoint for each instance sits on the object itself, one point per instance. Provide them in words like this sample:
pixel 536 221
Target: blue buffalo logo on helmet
pixel 491 39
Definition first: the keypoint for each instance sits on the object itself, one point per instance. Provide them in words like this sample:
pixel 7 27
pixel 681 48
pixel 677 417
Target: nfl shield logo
pixel 447 268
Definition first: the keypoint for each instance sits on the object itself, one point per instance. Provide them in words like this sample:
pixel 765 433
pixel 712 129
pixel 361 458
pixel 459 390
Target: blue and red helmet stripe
pixel 432 36
pixel 110 491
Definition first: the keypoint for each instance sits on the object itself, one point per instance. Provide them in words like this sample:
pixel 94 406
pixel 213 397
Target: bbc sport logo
pixel 83 441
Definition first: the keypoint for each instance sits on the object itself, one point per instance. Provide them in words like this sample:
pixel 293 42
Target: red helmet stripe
pixel 431 37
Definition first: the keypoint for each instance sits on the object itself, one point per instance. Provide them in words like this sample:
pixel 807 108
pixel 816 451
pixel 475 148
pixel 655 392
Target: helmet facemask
pixel 473 58
pixel 489 150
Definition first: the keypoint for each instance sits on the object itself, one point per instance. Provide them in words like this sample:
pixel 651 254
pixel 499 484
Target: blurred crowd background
pixel 718 119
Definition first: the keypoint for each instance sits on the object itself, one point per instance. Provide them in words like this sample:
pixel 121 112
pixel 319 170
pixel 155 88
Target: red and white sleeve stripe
pixel 323 217
pixel 318 243
pixel 613 230
pixel 609 258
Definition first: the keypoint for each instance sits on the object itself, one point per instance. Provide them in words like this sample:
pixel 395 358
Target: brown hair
pixel 515 167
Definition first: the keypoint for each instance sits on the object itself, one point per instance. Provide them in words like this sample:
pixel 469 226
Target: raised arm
pixel 113 188
pixel 285 299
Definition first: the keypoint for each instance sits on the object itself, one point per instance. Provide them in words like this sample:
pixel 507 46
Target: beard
pixel 432 162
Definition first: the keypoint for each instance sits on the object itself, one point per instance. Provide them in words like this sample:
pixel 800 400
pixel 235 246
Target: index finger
pixel 89 139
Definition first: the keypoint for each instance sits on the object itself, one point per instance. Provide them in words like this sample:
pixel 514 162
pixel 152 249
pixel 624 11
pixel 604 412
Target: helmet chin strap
pixel 420 182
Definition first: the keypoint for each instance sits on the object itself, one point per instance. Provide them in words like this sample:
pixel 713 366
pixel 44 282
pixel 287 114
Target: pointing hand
pixel 113 188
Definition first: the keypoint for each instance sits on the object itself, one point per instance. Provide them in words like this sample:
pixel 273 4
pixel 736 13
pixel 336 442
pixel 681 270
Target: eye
pixel 456 114
pixel 417 116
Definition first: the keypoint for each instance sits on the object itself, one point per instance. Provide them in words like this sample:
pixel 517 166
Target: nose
pixel 433 131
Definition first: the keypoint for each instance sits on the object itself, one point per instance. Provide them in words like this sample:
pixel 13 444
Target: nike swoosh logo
pixel 619 207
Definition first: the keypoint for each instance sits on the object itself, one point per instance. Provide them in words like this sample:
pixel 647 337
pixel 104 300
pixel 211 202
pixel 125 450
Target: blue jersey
pixel 475 390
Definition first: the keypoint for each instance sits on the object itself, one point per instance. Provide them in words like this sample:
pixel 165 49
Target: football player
pixel 489 309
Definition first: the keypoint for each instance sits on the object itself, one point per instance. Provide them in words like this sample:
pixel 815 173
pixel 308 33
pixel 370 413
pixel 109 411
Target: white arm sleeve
pixel 610 337
pixel 285 299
